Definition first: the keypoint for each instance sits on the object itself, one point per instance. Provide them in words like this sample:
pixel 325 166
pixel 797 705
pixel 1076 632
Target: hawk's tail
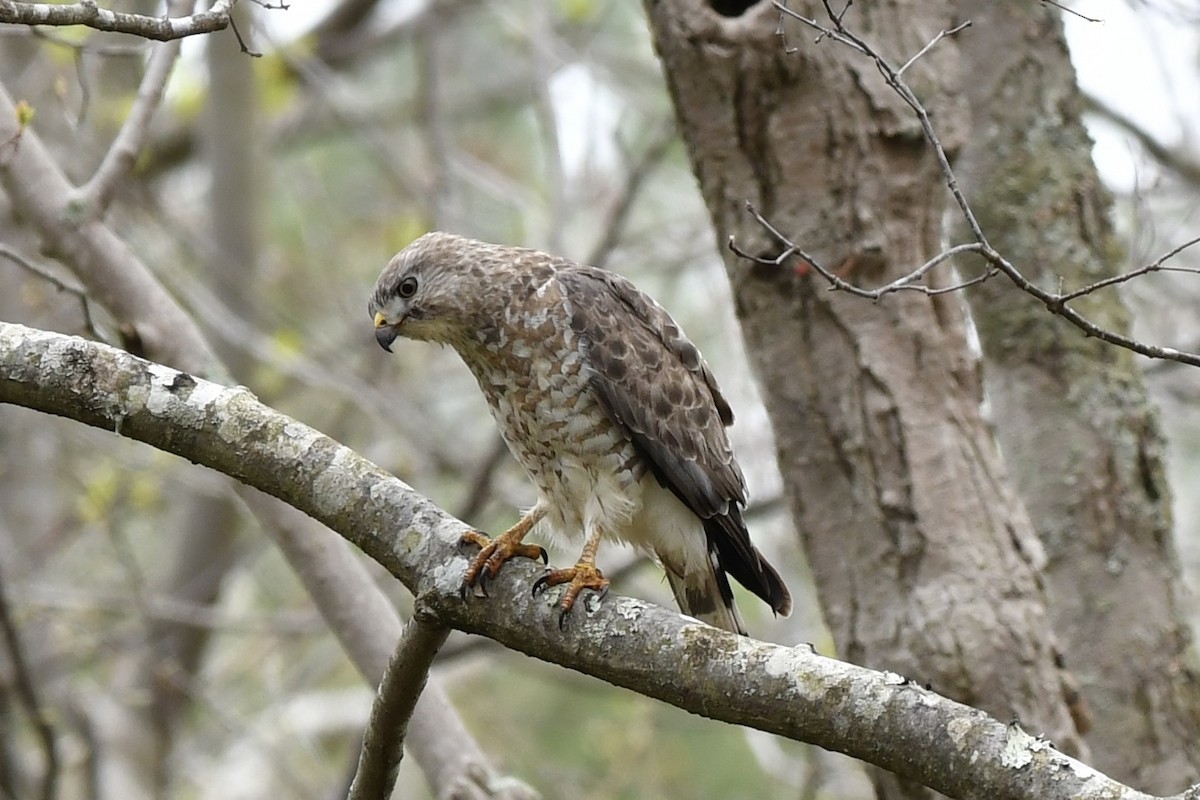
pixel 706 595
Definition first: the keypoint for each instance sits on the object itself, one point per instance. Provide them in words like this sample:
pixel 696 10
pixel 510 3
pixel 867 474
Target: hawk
pixel 610 409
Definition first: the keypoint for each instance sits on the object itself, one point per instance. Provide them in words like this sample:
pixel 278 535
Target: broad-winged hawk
pixel 606 404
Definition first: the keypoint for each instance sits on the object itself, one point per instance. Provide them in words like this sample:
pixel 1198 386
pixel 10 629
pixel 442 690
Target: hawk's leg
pixel 584 575
pixel 494 552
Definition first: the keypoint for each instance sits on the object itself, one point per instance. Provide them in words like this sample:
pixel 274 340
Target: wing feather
pixel 655 385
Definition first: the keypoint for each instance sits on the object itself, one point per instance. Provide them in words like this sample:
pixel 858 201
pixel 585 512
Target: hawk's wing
pixel 655 385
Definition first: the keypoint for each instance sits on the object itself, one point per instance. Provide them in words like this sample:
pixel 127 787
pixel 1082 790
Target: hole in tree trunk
pixel 730 8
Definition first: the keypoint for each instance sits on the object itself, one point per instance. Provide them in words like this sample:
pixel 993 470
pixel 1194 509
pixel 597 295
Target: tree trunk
pixel 1072 413
pixel 925 562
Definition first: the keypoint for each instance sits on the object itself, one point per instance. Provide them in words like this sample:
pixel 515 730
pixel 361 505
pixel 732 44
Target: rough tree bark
pixel 925 562
pixel 1071 413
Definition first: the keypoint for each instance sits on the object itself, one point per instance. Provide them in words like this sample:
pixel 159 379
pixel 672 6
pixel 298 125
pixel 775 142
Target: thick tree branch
pixel 402 684
pixel 878 717
pixel 367 624
pixel 88 14
pixel 41 194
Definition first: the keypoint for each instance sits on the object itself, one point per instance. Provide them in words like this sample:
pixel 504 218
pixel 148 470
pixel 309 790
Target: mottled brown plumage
pixel 600 396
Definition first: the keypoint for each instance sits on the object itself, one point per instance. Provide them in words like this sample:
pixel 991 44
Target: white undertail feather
pixel 699 595
pixel 675 537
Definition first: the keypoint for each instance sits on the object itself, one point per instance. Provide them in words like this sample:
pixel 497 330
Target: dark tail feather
pixel 706 595
pixel 727 534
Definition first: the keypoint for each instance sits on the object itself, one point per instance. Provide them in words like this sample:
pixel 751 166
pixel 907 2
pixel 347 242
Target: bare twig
pixel 1067 9
pixel 905 283
pixel 21 261
pixel 87 13
pixel 233 26
pixel 941 35
pixel 78 50
pixel 1159 265
pixel 1056 302
pixel 383 740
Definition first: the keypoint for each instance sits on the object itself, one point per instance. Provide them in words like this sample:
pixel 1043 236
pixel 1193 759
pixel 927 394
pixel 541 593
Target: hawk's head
pixel 423 291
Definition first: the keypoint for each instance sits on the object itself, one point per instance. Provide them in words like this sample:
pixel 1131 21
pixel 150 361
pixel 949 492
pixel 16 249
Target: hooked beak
pixel 385 333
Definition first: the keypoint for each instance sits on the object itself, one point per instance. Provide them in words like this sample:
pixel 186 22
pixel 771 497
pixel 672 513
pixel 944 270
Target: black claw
pixel 603 594
pixel 545 556
pixel 540 585
pixel 463 588
pixel 562 618
pixel 481 583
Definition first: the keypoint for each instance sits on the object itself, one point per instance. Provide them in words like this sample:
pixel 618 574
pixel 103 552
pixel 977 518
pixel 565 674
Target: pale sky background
pixel 1143 63
pixel 1139 57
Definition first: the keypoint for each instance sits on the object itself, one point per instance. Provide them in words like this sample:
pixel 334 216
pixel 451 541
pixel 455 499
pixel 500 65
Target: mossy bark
pixel 1071 413
pixel 924 560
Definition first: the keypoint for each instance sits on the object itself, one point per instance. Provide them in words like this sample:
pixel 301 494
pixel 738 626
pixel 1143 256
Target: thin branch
pixel 383 739
pixel 481 484
pixel 893 79
pixel 941 35
pixel 78 50
pixel 635 179
pixel 95 196
pixel 1067 9
pixel 88 14
pixel 1056 303
pixel 233 26
pixel 28 694
pixel 366 622
pixel 89 326
pixel 1159 265
pixel 880 717
pixel 904 283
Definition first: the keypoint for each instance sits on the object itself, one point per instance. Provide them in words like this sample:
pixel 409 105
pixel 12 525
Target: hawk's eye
pixel 408 287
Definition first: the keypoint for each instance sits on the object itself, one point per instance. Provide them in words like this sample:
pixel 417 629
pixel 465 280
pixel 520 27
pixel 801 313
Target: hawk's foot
pixel 582 576
pixel 492 555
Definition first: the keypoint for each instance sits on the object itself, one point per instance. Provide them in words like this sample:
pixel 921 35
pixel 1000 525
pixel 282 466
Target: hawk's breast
pixel 533 370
